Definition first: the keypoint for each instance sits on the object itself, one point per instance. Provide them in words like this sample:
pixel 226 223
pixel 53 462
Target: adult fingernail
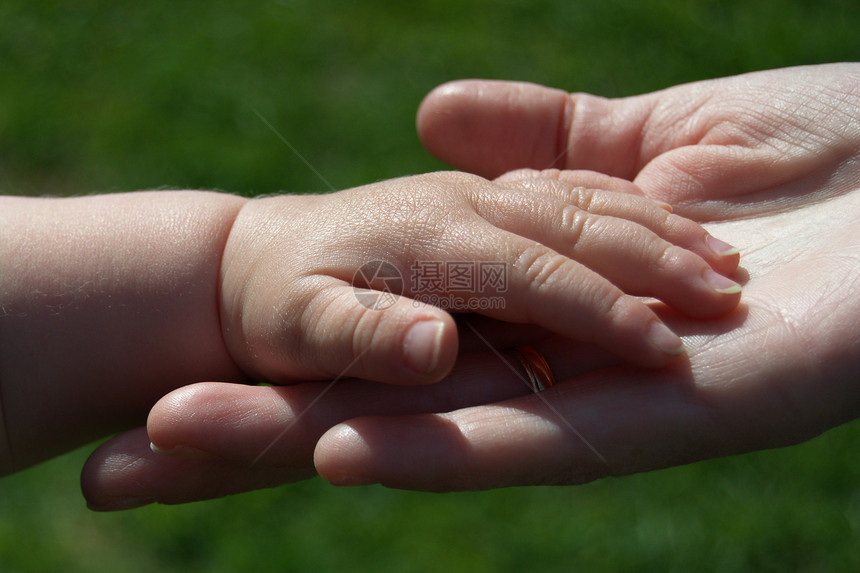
pixel 665 340
pixel 423 344
pixel 721 284
pixel 721 248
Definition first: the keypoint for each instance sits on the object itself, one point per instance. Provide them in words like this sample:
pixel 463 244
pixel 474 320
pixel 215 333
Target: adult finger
pixel 714 149
pixel 491 127
pixel 265 425
pixel 126 473
pixel 216 439
pixel 614 422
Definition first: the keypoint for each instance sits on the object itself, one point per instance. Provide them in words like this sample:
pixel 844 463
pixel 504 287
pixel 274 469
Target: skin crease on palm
pixel 768 161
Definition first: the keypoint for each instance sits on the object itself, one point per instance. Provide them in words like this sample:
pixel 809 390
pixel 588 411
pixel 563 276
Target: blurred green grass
pixel 103 96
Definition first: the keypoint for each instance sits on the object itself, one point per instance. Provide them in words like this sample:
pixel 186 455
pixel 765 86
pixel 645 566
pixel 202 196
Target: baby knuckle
pixel 577 225
pixel 582 197
pixel 368 332
pixel 543 268
pixel 315 334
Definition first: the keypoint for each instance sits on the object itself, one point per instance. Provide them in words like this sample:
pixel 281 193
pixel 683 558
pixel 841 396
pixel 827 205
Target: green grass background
pixel 124 95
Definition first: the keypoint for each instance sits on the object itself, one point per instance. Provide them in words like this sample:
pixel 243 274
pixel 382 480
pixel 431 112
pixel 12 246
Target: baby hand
pixel 543 249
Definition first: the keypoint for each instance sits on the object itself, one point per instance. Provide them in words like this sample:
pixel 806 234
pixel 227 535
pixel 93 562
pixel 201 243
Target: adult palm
pixel 770 160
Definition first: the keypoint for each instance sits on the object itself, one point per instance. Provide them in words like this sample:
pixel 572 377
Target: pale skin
pixel 109 302
pixel 767 161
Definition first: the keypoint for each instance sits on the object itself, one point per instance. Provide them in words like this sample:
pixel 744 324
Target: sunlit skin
pixel 110 302
pixel 768 162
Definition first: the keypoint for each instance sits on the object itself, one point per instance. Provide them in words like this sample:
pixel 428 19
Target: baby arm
pixel 106 303
pixel 109 302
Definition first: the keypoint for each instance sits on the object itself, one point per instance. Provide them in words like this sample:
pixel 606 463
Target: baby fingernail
pixel 665 340
pixel 721 284
pixel 423 344
pixel 721 248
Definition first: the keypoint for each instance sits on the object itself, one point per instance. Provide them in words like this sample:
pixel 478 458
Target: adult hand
pixel 772 160
pixel 769 159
